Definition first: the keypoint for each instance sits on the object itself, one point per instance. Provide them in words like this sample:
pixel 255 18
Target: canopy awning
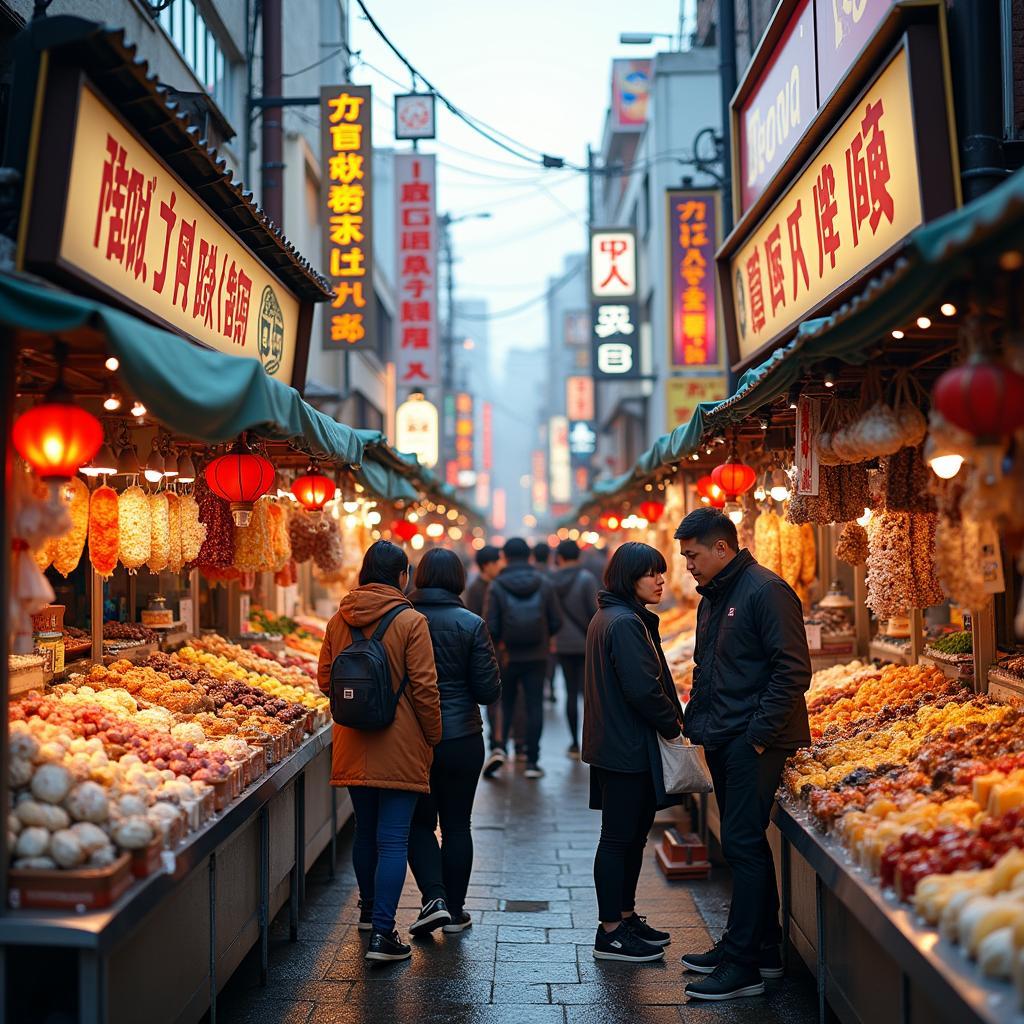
pixel 194 392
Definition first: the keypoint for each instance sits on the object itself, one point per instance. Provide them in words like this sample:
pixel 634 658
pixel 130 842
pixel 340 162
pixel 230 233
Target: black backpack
pixel 361 693
pixel 524 621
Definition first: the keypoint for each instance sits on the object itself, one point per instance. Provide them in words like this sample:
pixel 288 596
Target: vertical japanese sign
pixel 559 463
pixel 684 394
pixel 631 94
pixel 464 441
pixel 539 482
pixel 417 430
pixel 417 348
pixel 347 194
pixel 577 328
pixel 842 29
pixel 579 398
pixel 487 454
pixel 806 456
pixel 693 226
pixel 614 325
pixel 859 196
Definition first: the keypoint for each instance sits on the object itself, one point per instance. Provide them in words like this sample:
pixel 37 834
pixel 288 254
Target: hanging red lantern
pixel 733 477
pixel 240 477
pixel 404 530
pixel 652 510
pixel 707 488
pixel 313 490
pixel 57 438
pixel 983 397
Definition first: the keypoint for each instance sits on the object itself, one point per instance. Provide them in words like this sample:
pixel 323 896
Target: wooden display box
pixel 147 862
pixel 683 855
pixel 80 890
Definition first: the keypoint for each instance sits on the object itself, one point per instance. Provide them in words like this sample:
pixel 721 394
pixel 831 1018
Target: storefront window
pixel 188 30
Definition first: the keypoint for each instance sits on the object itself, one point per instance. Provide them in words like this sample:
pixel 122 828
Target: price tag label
pixel 813 631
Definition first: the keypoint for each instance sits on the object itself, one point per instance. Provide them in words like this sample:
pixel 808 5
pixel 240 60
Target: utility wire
pixel 317 63
pixel 522 307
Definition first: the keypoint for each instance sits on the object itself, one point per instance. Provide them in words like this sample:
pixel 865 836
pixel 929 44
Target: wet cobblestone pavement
pixel 527 959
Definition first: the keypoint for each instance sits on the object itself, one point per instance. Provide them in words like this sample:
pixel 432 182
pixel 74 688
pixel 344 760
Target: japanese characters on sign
pixel 614 328
pixel 859 196
pixel 464 434
pixel 807 427
pixel 577 328
pixel 693 310
pixel 416 336
pixel 347 196
pixel 616 334
pixel 631 93
pixel 414 115
pixel 842 29
pixel 487 453
pixel 613 264
pixel 417 430
pixel 133 228
pixel 582 441
pixel 539 482
pixel 559 462
pixel 684 394
pixel 579 398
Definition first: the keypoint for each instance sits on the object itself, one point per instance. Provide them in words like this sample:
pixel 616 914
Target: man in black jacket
pixel 521 611
pixel 747 709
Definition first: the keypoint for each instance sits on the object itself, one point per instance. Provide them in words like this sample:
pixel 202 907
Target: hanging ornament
pixel 652 510
pixel 240 477
pixel 734 477
pixel 710 492
pixel 983 396
pixel 404 530
pixel 313 489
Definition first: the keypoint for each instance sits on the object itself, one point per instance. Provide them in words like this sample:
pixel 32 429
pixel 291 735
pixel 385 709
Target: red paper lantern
pixel 57 438
pixel 240 477
pixel 707 488
pixel 983 397
pixel 652 510
pixel 733 477
pixel 404 530
pixel 313 490
pixel 609 521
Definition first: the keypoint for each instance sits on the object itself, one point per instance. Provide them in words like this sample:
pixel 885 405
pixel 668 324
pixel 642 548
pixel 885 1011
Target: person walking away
pixel 489 562
pixel 629 700
pixel 747 708
pixel 467 676
pixel 577 598
pixel 541 555
pixel 387 769
pixel 522 614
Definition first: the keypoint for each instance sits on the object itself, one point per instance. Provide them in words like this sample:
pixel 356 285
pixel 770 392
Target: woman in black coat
pixel 467 676
pixel 629 698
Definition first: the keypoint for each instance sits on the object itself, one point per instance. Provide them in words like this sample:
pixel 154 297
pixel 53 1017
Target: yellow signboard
pixel 856 200
pixel 683 394
pixel 133 228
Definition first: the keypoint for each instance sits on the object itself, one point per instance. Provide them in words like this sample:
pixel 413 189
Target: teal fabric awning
pixel 195 392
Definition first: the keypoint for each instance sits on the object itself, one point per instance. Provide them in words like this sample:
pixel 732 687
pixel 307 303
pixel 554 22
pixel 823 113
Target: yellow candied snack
pixel 809 554
pixel 282 545
pixel 103 530
pixel 193 532
pixel 160 532
pixel 134 537
pixel 67 549
pixel 174 552
pixel 254 544
pixel 767 543
pixel 791 547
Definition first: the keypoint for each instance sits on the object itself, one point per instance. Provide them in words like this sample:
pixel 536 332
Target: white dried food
pixel 66 849
pixel 19 772
pixel 995 953
pixel 88 802
pixel 131 804
pixel 14 823
pixel 103 857
pixel 33 842
pixel 90 836
pixel 31 812
pixel 23 745
pixel 51 783
pixel 133 833
pixel 36 864
pixel 878 432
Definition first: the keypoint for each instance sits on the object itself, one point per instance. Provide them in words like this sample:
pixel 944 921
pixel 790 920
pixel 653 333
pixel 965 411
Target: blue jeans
pixel 381 849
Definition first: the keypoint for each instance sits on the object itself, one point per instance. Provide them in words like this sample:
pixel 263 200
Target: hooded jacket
pixel 467 669
pixel 752 666
pixel 628 695
pixel 576 590
pixel 521 582
pixel 400 756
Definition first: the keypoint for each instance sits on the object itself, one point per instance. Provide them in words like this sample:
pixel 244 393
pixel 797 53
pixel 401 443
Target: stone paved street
pixel 527 958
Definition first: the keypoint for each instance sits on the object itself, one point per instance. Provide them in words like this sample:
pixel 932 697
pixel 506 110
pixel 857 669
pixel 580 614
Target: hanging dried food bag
pixel 329 552
pixel 193 532
pixel 957 562
pixel 822 507
pixel 254 544
pixel 928 591
pixel 68 548
pixel 767 546
pixel 790 543
pixel 218 548
pixel 175 558
pixel 103 530
pixel 302 533
pixel 906 482
pixel 809 553
pixel 889 587
pixel 135 540
pixel 823 442
pixel 852 546
pixel 280 541
pixel 160 532
pixel 853 492
pixel 908 398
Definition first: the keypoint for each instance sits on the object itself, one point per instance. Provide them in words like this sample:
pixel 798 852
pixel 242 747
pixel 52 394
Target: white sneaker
pixel 494 761
pixel 534 771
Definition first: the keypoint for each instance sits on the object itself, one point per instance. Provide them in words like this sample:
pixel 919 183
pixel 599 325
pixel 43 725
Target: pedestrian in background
pixel 385 770
pixel 747 708
pixel 467 676
pixel 577 598
pixel 489 562
pixel 522 614
pixel 629 699
pixel 542 560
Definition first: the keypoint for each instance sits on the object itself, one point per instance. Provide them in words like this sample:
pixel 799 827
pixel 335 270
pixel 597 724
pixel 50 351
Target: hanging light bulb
pixel 759 493
pixel 864 519
pixel 780 486
pixel 138 409
pixel 171 463
pixel 186 469
pixel 154 471
pixel 734 511
pixel 104 463
pixel 128 462
pixel 944 460
pixel 924 322
pixel 898 335
pixel 112 402
pixel 112 363
pixel 947 309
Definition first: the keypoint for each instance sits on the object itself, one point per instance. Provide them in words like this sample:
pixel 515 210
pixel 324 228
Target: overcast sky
pixel 538 71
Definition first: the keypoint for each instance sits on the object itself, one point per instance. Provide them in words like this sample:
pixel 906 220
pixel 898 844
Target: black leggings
pixel 628 806
pixel 443 871
pixel 572 669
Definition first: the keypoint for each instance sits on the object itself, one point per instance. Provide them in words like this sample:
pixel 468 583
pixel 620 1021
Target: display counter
pixel 210 904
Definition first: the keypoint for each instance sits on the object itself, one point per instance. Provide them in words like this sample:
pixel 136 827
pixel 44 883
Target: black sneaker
pixel 365 916
pixel 641 929
pixel 533 771
pixel 624 944
pixel 385 947
pixel 433 915
pixel 769 963
pixel 573 751
pixel 727 981
pixel 494 761
pixel 459 923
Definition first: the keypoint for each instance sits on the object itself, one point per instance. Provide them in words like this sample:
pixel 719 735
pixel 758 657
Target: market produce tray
pixel 139 652
pixel 1006 686
pixel 27 679
pixel 882 651
pixel 933 962
pixel 79 890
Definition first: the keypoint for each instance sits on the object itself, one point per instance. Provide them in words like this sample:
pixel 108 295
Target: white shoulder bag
pixel 683 766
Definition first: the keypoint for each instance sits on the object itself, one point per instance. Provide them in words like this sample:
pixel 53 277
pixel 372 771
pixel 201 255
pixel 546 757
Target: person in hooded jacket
pixel 629 700
pixel 467 676
pixel 385 770
pixel 521 611
pixel 577 597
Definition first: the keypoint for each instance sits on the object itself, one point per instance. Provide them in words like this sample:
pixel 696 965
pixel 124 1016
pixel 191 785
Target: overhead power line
pixel 522 307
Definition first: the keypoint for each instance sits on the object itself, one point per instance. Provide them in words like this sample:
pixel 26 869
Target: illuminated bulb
pixel 112 403
pixel 154 471
pixel 478 543
pixel 864 519
pixel 759 494
pixel 435 530
pixel 924 323
pixel 897 335
pixel 734 512
pixel 112 364
pixel 350 506
pixel 695 456
pixel 103 463
pixel 138 409
pixel 779 493
pixel 947 309
pixel 412 517
pixel 417 542
pixel 946 466
pixel 187 471
pixel 351 522
pixel 830 379
pixel 372 518
pixel 453 514
pixel 455 533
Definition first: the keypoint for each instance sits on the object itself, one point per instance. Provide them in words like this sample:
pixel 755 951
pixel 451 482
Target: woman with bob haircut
pixel 385 770
pixel 467 677
pixel 629 699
